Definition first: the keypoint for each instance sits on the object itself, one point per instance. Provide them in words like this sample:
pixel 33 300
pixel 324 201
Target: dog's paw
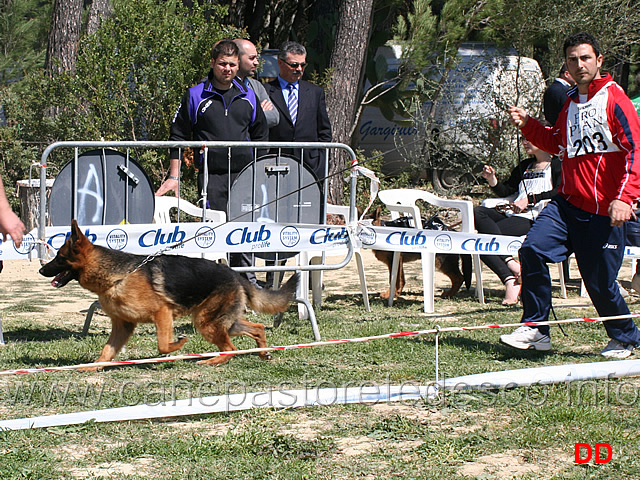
pixel 215 361
pixel 266 356
pixel 384 295
pixel 89 369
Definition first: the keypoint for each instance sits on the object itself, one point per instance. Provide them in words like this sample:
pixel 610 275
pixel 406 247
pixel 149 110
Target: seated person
pixel 532 181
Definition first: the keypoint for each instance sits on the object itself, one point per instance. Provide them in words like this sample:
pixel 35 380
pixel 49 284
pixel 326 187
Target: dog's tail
pixel 272 301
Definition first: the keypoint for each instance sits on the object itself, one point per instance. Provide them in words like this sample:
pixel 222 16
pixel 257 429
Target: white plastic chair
pixel 163 207
pixel 162 214
pixel 317 258
pixel 402 202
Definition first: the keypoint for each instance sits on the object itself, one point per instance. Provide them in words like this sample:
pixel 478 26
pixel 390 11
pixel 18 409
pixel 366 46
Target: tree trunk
pixel 99 10
pixel 64 36
pixel 347 60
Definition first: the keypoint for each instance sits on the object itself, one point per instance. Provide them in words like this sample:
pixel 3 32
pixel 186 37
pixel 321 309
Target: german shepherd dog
pixel 169 286
pixel 447 263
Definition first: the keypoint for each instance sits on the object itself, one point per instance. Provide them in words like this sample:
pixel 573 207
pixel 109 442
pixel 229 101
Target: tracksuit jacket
pixel 600 143
pixel 207 114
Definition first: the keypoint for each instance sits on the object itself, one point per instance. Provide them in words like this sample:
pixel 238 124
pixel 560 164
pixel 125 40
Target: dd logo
pixel 590 452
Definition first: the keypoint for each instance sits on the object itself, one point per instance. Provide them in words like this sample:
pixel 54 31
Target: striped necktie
pixel 292 103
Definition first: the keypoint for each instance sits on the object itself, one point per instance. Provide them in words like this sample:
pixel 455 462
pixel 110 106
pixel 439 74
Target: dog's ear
pixel 76 234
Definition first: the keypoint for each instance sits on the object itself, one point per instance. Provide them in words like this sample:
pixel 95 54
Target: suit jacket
pixel 312 123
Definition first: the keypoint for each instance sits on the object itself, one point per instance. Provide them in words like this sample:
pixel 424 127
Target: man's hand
pixel 518 116
pixel 266 105
pixel 168 185
pixel 12 225
pixel 619 212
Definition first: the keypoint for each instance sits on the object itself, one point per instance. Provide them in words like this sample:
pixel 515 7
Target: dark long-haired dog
pixel 167 287
pixel 447 263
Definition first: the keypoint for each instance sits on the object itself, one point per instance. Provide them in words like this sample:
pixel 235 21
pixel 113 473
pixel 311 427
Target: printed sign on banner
pixel 436 241
pixel 197 237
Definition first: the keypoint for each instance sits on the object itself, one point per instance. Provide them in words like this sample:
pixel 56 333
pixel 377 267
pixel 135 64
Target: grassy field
pixel 526 433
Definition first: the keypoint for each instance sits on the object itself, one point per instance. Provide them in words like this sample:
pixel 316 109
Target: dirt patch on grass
pixel 512 464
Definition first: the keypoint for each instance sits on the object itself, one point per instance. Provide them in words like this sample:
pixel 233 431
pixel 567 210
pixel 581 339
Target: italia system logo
pixel 28 243
pixel 367 236
pixel 289 236
pixel 117 239
pixel 205 237
pixel 443 242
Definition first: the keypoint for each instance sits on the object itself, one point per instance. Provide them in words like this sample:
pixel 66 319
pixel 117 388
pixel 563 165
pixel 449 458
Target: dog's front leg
pixel 120 333
pixel 163 320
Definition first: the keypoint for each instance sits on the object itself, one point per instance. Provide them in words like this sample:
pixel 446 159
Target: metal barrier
pixel 205 148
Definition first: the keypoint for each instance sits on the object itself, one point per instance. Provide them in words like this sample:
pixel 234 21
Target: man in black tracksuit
pixel 219 109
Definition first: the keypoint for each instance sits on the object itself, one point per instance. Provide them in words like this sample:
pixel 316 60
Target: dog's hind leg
pixel 400 279
pixel 448 264
pixel 213 322
pixel 400 282
pixel 217 334
pixel 253 330
pixel 163 320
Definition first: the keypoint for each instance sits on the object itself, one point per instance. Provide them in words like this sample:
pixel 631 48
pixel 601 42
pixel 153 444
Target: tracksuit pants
pixel 560 230
pixel 217 198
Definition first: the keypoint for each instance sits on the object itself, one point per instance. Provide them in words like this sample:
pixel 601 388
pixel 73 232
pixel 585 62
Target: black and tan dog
pixel 447 263
pixel 167 287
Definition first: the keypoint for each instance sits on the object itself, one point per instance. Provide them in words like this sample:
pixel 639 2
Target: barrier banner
pixel 442 241
pixel 254 237
pixel 191 237
pixel 436 241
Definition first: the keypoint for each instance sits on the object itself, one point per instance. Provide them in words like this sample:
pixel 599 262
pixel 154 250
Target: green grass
pixel 526 433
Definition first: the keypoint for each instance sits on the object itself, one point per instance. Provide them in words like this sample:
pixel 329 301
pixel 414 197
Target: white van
pixel 468 118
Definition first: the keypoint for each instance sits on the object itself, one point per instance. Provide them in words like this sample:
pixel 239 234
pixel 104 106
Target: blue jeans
pixel 560 230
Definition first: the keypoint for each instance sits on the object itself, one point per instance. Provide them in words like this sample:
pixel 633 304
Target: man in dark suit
pixel 305 101
pixel 556 94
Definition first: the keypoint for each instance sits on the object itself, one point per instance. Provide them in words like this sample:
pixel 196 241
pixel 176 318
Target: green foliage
pixel 129 79
pixel 24 25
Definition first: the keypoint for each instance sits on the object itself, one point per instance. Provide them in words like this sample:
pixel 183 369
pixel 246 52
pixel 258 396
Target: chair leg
pixel 563 282
pixel 394 276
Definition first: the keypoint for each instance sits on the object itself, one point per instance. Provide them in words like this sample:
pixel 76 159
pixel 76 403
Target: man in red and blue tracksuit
pixel 598 133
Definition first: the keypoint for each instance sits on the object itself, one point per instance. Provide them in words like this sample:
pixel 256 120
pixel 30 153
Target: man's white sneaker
pixel 527 338
pixel 615 349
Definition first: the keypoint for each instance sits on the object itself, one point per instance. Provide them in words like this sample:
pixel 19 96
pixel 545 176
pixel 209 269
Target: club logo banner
pixel 197 237
pixel 437 241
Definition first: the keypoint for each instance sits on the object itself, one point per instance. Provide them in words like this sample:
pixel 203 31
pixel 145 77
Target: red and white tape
pixel 191 356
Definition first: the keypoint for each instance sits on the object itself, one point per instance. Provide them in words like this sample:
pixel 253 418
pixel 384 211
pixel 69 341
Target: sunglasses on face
pixel 296 64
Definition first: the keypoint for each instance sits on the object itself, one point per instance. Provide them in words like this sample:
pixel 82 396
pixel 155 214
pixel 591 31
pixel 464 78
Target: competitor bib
pixel 587 126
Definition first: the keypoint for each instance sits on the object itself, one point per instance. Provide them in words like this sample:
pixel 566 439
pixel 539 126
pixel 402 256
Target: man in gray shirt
pixel 249 62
